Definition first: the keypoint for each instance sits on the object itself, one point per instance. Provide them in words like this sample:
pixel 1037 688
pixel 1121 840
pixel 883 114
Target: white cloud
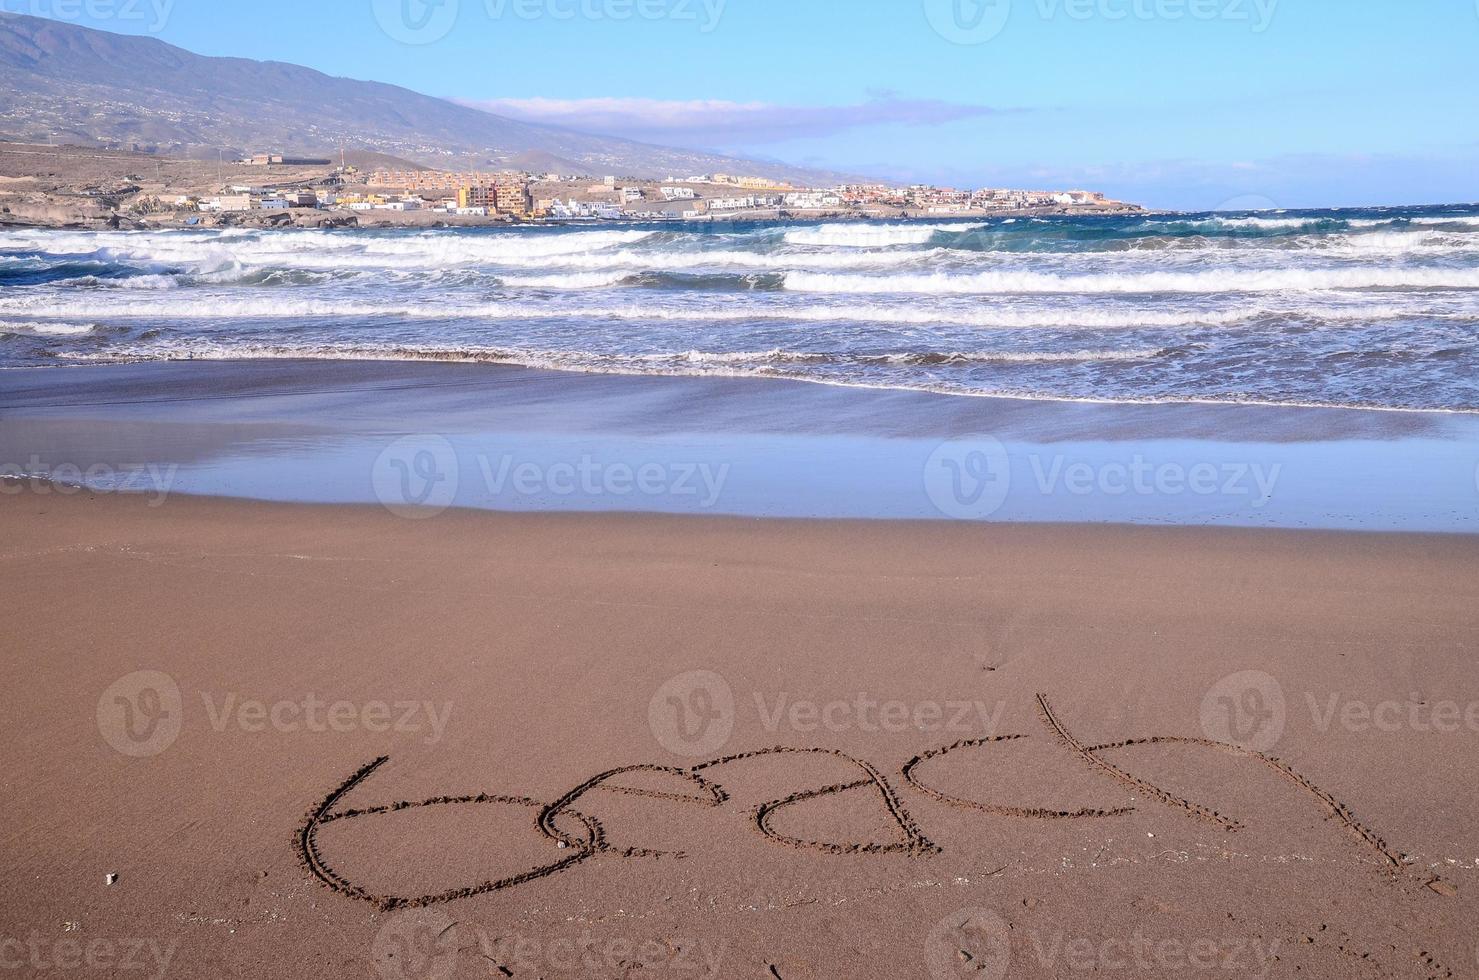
pixel 716 122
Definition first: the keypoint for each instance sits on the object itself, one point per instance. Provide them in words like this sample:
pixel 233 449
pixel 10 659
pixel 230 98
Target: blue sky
pixel 1171 103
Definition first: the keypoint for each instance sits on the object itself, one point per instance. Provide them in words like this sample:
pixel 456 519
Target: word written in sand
pixel 581 836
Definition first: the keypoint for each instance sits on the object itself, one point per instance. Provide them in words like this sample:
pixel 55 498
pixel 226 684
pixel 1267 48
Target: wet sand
pixel 503 665
pixel 514 439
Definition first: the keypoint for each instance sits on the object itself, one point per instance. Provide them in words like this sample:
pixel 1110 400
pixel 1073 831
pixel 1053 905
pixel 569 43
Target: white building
pixel 812 199
pixel 230 202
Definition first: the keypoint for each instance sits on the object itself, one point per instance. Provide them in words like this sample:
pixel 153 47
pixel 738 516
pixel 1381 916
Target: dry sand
pixel 523 656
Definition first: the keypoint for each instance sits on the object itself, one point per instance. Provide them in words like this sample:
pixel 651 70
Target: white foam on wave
pixel 209 252
pixel 568 280
pixel 860 235
pixel 1269 224
pixel 562 361
pixel 678 261
pixel 46 329
pixel 1218 281
pixel 218 307
pixel 583 360
pixel 1456 221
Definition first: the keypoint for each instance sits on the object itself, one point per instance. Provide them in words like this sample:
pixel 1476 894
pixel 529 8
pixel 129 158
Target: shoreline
pixel 40 487
pixel 531 365
pixel 339 219
pixel 495 437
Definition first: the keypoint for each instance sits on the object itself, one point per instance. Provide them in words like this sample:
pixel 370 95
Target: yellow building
pixel 477 196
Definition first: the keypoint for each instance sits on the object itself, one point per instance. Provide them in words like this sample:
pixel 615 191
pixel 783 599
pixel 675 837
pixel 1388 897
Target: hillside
pixel 73 84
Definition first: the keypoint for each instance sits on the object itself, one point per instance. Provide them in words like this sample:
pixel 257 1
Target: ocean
pixel 1375 308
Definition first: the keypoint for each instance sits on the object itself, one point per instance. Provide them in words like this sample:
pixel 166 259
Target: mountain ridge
pixel 82 84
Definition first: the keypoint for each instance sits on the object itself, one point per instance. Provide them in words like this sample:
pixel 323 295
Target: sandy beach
pixel 534 491
pixel 549 745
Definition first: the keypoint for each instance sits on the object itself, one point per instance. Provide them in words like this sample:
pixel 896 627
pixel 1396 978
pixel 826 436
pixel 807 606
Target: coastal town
pixel 517 196
pixel 82 186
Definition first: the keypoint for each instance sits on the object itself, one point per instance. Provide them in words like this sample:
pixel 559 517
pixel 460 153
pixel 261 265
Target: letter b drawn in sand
pixel 692 714
pixel 417 944
pixel 416 476
pixel 1246 709
pixel 970 943
pixel 968 479
pixel 140 714
pixel 968 21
